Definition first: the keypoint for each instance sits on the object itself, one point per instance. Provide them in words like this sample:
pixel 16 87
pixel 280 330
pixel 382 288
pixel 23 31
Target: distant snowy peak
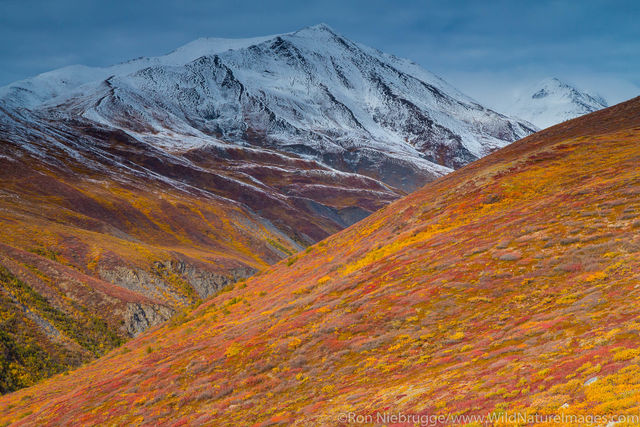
pixel 313 93
pixel 553 101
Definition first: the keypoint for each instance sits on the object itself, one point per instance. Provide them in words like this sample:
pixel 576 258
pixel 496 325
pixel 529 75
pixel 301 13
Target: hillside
pixel 89 259
pixel 104 235
pixel 511 284
pixel 552 101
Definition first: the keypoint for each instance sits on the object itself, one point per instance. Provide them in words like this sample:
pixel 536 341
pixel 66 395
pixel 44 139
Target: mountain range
pixel 508 286
pixel 553 101
pixel 312 93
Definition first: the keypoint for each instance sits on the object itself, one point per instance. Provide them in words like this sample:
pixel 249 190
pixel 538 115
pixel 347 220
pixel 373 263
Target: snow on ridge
pixel 32 91
pixel 205 46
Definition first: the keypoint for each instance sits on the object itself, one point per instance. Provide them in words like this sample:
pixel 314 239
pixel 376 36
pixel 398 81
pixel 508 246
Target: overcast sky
pixel 491 50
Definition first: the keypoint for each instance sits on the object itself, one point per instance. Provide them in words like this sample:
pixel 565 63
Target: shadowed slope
pixel 509 284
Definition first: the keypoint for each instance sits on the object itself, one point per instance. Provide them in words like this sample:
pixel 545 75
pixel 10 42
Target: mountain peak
pixel 546 87
pixel 552 101
pixel 213 45
pixel 553 81
pixel 321 32
pixel 317 29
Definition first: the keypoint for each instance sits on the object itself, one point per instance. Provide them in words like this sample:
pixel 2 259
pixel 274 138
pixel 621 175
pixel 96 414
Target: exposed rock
pixel 140 317
pixel 206 283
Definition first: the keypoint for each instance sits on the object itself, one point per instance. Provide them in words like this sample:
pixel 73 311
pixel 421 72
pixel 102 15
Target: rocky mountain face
pixel 552 101
pixel 131 192
pixel 508 285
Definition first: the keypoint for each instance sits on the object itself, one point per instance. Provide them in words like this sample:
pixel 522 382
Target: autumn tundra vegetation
pixel 93 252
pixel 87 263
pixel 509 285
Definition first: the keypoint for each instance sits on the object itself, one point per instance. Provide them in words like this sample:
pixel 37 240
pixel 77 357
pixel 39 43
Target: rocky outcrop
pixel 207 283
pixel 139 317
pixel 175 282
pixel 144 283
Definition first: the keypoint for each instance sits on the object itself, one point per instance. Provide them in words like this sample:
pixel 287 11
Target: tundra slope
pixel 508 285
pixel 90 258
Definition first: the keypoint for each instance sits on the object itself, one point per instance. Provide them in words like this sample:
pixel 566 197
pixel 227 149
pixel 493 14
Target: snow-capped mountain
pixel 311 93
pixel 553 101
